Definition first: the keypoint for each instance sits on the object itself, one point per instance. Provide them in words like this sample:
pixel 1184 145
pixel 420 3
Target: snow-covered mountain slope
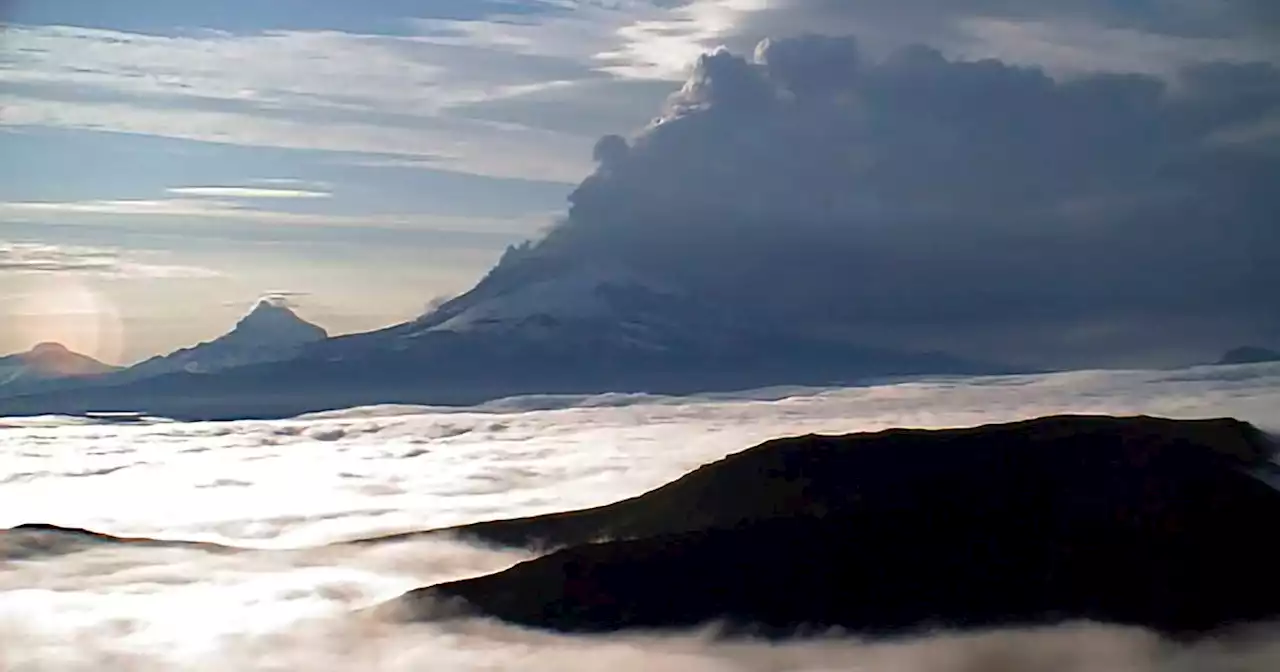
pixel 590 293
pixel 49 361
pixel 609 306
pixel 270 332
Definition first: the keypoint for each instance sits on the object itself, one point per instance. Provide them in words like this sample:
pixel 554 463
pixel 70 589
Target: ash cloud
pixel 976 206
pixel 1238 27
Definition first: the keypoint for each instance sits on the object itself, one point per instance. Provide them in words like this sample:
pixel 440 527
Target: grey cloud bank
pixel 973 206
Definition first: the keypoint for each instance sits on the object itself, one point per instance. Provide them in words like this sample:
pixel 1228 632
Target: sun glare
pixel 64 310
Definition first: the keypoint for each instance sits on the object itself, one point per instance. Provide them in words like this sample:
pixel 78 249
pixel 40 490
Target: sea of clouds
pixel 285 490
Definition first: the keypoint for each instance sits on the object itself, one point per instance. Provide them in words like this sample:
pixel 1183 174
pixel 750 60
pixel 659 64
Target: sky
pixel 163 164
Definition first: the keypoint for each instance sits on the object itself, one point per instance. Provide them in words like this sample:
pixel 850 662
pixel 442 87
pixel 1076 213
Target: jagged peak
pixel 273 319
pixel 271 305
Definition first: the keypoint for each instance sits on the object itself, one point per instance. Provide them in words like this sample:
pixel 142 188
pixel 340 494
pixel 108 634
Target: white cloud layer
pixel 394 468
pixel 365 471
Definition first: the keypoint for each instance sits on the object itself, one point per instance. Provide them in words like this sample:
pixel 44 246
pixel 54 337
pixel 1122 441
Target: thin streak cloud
pixel 171 210
pixel 44 258
pixel 247 192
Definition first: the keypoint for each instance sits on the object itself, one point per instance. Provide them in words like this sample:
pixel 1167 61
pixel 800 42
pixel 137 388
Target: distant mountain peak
pixel 49 348
pixel 270 331
pixel 274 322
pixel 49 360
pixel 269 307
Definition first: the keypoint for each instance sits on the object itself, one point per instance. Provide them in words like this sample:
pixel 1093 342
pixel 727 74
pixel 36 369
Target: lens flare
pixel 63 309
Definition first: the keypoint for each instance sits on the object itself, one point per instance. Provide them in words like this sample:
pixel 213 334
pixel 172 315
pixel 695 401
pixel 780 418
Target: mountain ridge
pixel 534 325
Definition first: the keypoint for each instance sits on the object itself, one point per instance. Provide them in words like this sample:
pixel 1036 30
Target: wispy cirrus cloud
pixel 27 257
pixel 178 210
pixel 459 145
pixel 405 96
pixel 632 39
pixel 169 207
pixel 287 298
pixel 469 94
pixel 292 182
pixel 248 192
pixel 295 89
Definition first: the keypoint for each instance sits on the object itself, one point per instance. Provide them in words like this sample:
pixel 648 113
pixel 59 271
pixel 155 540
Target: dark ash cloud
pixel 977 206
pixel 1240 26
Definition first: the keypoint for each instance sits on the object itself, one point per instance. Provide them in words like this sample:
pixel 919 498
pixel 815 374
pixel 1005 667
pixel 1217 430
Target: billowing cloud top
pixel 972 205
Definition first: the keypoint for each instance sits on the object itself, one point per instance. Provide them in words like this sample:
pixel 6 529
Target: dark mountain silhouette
pixel 49 361
pixel 1249 355
pixel 1140 521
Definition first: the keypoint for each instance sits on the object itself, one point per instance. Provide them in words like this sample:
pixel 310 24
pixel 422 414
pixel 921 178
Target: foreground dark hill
pixel 1139 521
